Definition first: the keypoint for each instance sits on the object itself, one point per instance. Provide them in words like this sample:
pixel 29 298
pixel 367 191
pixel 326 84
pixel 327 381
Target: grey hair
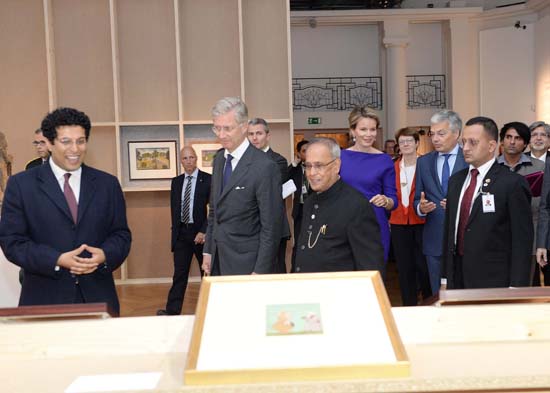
pixel 258 120
pixel 329 143
pixel 228 104
pixel 451 117
pixel 538 124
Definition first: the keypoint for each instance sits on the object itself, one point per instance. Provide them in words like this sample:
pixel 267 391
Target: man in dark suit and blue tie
pixel 433 171
pixel 64 222
pixel 246 208
pixel 189 195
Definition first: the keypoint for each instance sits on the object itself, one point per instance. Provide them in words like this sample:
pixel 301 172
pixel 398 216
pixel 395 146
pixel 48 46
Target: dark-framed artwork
pixel 152 159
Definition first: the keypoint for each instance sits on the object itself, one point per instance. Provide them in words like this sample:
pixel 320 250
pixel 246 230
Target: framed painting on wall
pixel 152 159
pixel 205 154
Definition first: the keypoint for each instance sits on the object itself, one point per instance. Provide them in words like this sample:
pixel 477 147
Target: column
pixel 464 73
pixel 396 39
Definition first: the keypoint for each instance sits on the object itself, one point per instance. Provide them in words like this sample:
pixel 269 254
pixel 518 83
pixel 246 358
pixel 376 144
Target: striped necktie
pixel 185 204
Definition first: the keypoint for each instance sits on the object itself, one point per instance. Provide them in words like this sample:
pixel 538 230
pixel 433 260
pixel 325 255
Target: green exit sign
pixel 313 120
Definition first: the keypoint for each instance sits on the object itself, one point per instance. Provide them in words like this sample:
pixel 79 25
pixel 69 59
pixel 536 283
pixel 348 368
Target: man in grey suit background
pixel 259 136
pixel 246 208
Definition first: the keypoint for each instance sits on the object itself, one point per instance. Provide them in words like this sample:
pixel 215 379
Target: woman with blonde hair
pixel 369 170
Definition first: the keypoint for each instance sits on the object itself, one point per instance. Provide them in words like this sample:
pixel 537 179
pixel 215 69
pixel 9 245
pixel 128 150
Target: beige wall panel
pixel 209 54
pixel 23 76
pixel 101 152
pixel 149 221
pixel 147 56
pixel 83 61
pixel 266 58
pixel 280 140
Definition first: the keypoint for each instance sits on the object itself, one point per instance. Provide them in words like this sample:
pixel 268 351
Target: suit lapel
pixel 476 204
pixel 433 169
pixel 239 172
pixel 87 191
pixel 460 164
pixel 50 186
pixel 455 192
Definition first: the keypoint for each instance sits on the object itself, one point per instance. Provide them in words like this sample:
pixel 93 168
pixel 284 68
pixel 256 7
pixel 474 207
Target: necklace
pixel 322 230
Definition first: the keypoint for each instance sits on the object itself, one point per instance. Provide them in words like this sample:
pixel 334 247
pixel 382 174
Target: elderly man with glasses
pixel 339 228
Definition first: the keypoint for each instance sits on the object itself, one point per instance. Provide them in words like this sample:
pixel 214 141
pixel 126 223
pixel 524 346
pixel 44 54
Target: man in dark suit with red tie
pixel 64 222
pixel 488 232
pixel 189 196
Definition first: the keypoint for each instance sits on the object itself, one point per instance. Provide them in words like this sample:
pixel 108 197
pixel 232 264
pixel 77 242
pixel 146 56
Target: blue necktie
pixel 227 170
pixel 445 174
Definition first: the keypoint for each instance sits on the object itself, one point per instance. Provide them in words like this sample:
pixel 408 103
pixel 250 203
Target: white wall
pixel 325 51
pixel 542 67
pixel 507 82
pixel 355 51
pixel 425 56
pixel 425 50
pixel 9 283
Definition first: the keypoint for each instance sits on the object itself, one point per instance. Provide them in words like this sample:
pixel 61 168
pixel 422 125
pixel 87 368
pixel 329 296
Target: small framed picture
pixel 205 154
pixel 152 159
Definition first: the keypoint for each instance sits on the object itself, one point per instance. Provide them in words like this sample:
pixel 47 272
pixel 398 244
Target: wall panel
pixel 265 51
pixel 147 56
pixel 83 63
pixel 23 76
pixel 210 62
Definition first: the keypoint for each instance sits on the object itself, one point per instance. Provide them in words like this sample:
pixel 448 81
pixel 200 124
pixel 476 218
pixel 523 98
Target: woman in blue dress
pixel 369 170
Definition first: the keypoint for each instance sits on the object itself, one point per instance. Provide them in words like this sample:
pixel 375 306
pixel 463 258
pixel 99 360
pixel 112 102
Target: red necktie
pixel 465 211
pixel 69 196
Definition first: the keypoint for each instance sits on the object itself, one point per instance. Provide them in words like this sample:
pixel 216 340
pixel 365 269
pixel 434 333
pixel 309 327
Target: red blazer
pixel 404 215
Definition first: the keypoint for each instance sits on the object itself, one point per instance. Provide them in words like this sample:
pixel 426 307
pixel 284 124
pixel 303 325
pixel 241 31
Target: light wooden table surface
pixel 450 348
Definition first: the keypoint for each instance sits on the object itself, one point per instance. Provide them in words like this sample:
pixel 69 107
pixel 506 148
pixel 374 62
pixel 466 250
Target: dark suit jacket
pixel 543 230
pixel 497 246
pixel 282 164
pixel 428 181
pixel 37 227
pixel 34 163
pixel 244 222
pixel 200 201
pixel 295 173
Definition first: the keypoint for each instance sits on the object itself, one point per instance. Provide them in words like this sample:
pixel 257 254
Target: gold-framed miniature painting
pixel 319 326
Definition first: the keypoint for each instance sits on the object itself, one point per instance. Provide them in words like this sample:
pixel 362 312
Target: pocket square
pixel 239 188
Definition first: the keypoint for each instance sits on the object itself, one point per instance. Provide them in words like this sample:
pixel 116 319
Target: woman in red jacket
pixel 406 226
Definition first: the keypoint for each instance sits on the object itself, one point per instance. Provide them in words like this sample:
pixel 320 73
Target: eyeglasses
pixel 227 129
pixel 39 143
pixel 406 141
pixel 440 133
pixel 471 142
pixel 66 142
pixel 317 166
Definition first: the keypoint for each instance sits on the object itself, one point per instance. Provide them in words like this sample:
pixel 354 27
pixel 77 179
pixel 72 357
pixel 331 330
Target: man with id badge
pixel 488 232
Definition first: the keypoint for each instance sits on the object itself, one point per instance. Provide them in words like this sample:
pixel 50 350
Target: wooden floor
pixel 146 299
